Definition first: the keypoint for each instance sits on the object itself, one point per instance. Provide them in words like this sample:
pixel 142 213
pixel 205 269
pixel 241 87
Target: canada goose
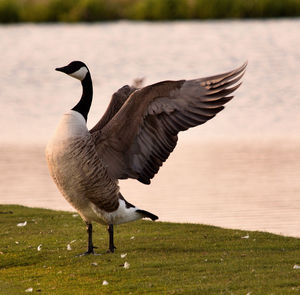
pixel 134 137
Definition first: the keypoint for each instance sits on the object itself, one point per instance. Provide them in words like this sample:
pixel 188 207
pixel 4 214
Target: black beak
pixel 62 69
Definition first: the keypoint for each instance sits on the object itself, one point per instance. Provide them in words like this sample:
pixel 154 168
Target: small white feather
pixel 39 247
pixel 126 265
pixel 104 283
pixel 123 255
pixel 296 266
pixel 22 224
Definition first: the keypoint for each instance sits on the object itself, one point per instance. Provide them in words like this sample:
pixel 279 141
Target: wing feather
pixel 141 136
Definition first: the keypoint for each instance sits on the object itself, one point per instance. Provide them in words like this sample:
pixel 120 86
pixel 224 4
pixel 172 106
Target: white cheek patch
pixel 80 74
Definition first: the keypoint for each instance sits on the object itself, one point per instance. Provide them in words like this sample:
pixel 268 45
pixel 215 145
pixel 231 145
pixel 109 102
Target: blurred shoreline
pixel 15 11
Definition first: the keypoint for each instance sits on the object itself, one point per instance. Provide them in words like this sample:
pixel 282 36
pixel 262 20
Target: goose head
pixel 75 69
pixel 79 70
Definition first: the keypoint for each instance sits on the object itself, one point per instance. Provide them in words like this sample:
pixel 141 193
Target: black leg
pixel 90 250
pixel 110 230
pixel 89 229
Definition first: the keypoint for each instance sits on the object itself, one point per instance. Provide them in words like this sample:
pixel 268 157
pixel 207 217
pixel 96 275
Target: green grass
pixel 12 11
pixel 165 258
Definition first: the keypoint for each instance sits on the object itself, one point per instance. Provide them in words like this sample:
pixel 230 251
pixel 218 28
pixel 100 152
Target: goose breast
pixel 78 170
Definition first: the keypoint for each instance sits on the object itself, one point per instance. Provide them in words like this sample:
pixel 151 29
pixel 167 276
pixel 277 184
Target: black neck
pixel 85 102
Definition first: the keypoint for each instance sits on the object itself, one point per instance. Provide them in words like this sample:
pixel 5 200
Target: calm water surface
pixel 240 170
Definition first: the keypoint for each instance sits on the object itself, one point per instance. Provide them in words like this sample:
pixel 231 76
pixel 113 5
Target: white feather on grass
pixel 123 255
pixel 104 283
pixel 126 265
pixel 69 248
pixel 22 224
pixel 39 247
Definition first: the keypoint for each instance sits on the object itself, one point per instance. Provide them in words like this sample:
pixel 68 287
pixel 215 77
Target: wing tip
pixel 242 68
pixel 240 71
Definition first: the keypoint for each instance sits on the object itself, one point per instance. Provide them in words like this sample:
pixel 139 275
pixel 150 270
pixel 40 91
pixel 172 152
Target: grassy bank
pixel 103 10
pixel 164 258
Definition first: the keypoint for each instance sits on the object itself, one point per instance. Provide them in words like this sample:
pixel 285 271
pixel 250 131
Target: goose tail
pixel 147 214
pixel 127 212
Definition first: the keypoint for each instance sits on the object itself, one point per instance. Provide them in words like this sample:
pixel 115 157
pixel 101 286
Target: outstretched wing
pixel 143 133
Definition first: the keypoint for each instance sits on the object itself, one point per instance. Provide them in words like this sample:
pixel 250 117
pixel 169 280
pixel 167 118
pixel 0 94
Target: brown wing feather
pixel 141 136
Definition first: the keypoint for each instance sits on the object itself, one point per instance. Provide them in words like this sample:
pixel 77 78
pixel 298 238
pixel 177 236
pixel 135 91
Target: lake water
pixel 240 170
